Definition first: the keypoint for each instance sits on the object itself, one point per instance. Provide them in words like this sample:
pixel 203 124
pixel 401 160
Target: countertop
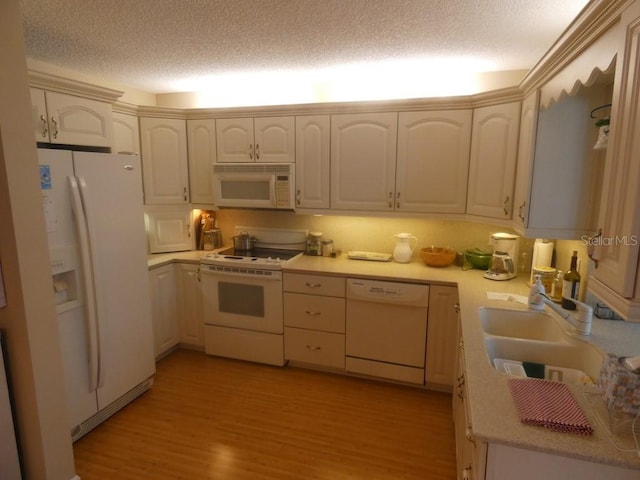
pixel 493 415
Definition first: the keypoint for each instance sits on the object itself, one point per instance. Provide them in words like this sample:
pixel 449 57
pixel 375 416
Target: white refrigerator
pixel 94 216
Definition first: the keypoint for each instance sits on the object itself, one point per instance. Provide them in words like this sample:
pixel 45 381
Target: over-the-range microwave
pixel 254 185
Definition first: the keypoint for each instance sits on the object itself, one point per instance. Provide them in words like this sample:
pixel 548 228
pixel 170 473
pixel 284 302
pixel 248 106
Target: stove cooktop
pixel 261 253
pixel 266 258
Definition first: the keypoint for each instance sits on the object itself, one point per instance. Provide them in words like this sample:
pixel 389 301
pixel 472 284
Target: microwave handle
pixel 273 189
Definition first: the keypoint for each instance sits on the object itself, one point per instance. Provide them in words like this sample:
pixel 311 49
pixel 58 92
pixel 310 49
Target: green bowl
pixel 478 259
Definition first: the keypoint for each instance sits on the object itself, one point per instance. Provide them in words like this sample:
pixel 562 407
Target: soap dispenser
pixel 536 289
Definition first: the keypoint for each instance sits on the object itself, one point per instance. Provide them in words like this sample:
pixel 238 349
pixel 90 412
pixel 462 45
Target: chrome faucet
pixel 581 321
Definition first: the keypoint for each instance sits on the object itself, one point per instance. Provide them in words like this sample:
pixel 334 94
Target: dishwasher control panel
pixel 388 292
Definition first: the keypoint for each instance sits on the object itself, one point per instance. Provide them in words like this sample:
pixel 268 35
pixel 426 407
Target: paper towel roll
pixel 542 254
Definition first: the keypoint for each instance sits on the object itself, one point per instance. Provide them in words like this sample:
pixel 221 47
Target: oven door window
pixel 241 299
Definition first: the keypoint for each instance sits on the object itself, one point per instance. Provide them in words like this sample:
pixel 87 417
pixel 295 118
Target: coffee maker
pixel 503 264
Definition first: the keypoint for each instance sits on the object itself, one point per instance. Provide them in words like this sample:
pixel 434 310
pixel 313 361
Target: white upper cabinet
pixel 275 139
pixel 616 276
pixel 558 169
pixel 126 134
pixel 363 160
pixel 169 228
pixel 494 148
pixel 164 160
pixel 433 161
pixel 201 137
pixel 313 161
pixel 65 119
pixel 526 151
pixel 265 139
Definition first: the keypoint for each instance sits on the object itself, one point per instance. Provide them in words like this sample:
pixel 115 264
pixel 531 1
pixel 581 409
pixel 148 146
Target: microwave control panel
pixel 283 192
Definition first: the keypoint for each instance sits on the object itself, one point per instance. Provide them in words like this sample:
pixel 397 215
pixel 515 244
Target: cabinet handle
pixel 466 473
pixel 314 348
pixel 257 151
pixel 469 436
pixel 251 151
pixel 591 247
pixel 198 275
pixel 456 308
pixel 298 197
pixel 460 385
pixel 390 199
pixel 521 210
pixel 311 313
pixel 506 203
pixel 398 200
pixel 313 285
pixel 45 129
pixel 184 191
pixel 54 133
pixel 188 231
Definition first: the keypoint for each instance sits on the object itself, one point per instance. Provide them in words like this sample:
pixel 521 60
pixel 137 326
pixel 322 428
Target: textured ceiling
pixel 156 45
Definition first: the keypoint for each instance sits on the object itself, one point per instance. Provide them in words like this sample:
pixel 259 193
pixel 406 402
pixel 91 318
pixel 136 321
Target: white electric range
pixel 242 294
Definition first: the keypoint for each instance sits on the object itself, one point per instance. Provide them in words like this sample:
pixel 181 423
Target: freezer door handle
pixel 91 310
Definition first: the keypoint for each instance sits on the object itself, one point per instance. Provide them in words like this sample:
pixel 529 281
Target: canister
pixel 547 274
pixel 327 248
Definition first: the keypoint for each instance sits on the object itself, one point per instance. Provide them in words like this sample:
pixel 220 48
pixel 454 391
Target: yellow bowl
pixel 437 256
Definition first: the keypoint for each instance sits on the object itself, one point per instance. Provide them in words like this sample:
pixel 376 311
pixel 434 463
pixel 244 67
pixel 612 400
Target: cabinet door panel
pixel 126 134
pixel 442 335
pixel 433 161
pixel 190 317
pixel 234 137
pixel 274 139
pixel 79 121
pixel 162 281
pixel 363 157
pixel 494 147
pixel 164 160
pixel 312 161
pixel 201 137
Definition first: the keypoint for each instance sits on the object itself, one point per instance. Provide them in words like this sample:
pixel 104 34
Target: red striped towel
pixel 548 404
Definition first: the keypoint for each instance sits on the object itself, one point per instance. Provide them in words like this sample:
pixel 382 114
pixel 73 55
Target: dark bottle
pixel 571 283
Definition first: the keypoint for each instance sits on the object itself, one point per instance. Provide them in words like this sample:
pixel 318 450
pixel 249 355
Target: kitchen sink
pixel 517 340
pixel 573 354
pixel 526 324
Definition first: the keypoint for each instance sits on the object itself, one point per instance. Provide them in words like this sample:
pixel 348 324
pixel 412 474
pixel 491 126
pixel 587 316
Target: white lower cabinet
pixel 505 461
pixel 164 309
pixel 440 367
pixel 314 320
pixel 189 298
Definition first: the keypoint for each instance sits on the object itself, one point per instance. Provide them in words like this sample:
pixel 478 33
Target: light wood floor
pixel 213 418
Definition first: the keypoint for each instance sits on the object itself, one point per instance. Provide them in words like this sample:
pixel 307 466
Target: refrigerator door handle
pixel 89 283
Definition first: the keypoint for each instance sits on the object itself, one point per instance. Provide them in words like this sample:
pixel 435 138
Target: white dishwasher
pixel 386 330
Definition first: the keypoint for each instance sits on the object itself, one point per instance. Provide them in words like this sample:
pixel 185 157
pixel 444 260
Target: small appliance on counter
pixel 505 253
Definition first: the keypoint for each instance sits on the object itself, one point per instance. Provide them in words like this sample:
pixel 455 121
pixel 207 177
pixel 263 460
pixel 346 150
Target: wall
pixel 29 319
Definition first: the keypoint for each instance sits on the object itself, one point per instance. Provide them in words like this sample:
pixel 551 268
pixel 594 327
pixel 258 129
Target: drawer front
pixel 316 348
pixel 314 284
pixel 314 312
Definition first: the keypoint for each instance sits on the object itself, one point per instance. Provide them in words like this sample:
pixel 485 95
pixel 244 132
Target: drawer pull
pixel 313 285
pixel 313 348
pixel 313 314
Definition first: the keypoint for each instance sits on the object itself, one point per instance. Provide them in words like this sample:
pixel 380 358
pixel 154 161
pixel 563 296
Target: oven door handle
pixel 274 275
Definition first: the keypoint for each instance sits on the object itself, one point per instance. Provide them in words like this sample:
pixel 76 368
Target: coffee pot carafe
pixel 503 261
pixel 404 247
